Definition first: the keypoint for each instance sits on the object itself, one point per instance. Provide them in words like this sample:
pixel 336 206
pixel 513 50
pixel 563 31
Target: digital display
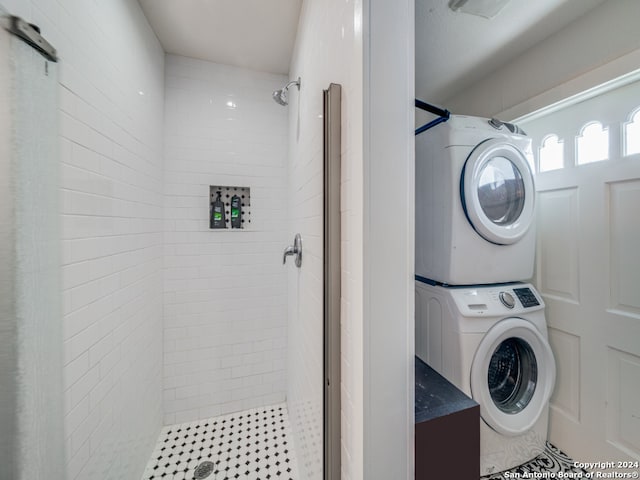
pixel 526 297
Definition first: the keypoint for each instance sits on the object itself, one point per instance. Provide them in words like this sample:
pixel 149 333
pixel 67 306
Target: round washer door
pixel 512 376
pixel 497 192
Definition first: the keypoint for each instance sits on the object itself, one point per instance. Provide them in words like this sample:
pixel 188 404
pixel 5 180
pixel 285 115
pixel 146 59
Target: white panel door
pixel 588 270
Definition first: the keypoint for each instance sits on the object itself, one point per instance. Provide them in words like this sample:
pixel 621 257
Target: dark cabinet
pixel 447 433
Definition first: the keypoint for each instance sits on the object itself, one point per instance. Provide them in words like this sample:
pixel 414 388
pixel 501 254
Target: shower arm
pixel 293 82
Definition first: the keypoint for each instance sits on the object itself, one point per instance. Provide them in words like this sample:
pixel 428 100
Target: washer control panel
pixel 496 299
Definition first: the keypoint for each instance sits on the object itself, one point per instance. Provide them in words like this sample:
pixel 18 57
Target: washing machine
pixel 491 342
pixel 475 201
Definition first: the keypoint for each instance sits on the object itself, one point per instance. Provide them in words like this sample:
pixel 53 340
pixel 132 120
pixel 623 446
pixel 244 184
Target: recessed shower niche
pixel 229 207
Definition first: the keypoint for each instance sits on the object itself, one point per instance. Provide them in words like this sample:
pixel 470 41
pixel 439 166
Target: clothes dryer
pixel 491 342
pixel 475 200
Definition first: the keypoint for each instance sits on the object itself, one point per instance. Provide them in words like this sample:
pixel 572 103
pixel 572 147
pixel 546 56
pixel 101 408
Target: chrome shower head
pixel 280 96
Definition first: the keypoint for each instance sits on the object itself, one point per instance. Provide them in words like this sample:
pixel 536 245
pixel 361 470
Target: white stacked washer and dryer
pixel 477 324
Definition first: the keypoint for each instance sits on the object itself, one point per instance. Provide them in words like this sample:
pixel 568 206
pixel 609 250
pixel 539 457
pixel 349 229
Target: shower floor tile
pixel 253 444
pixel 552 460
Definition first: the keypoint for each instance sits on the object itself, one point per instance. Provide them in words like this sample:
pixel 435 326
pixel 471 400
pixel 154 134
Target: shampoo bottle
pixel 217 213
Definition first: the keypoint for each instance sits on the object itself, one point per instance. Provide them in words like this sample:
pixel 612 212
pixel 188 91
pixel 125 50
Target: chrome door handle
pixel 295 249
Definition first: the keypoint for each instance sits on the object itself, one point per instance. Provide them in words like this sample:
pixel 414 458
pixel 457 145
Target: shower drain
pixel 203 470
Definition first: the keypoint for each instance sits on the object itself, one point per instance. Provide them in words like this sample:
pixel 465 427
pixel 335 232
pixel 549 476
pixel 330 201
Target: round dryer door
pixel 497 192
pixel 512 376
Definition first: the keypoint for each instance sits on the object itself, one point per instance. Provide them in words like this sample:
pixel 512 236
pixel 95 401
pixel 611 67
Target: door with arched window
pixel 587 162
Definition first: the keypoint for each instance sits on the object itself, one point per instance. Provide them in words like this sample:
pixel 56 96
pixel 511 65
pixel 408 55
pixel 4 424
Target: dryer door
pixel 497 192
pixel 512 376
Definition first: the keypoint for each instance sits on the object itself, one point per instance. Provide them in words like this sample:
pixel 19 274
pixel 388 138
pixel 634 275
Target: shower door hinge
pixel 30 34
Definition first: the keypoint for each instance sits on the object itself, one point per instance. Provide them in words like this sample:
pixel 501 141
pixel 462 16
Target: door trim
pixel 332 272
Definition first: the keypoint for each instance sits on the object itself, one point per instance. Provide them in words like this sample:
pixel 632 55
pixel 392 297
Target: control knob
pixel 507 299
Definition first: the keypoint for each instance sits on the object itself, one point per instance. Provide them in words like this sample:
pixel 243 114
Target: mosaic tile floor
pixel 253 444
pixel 552 460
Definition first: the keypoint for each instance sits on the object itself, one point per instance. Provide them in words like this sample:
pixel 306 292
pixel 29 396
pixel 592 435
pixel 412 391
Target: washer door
pixel 512 376
pixel 497 192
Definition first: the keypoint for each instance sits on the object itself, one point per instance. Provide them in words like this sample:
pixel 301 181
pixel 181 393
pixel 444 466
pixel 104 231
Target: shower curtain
pixel 31 411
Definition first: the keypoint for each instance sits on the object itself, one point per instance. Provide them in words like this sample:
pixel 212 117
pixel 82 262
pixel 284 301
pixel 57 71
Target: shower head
pixel 281 97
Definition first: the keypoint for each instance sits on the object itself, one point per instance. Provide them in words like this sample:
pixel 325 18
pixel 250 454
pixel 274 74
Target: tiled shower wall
pixel 328 49
pixel 225 303
pixel 111 108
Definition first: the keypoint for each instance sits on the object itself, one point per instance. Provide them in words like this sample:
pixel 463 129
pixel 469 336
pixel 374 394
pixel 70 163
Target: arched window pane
pixel 551 153
pixel 593 143
pixel 632 135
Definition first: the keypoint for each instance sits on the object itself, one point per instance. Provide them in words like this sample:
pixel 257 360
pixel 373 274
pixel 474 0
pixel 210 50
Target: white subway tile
pixel 216 281
pixel 98 182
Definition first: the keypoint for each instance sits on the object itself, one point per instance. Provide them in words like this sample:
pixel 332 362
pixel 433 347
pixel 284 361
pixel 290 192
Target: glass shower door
pixel 31 412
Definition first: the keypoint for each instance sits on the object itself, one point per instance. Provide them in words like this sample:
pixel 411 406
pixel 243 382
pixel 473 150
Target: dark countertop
pixel 435 395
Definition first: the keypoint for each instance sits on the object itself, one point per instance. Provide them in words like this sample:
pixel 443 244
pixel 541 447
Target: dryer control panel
pixel 496 300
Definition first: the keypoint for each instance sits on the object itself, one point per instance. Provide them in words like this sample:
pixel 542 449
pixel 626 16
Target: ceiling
pixel 256 34
pixel 454 50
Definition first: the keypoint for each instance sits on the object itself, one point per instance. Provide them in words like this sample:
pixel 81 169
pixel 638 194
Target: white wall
pixel 389 240
pixel 596 47
pixel 111 199
pixel 224 291
pixel 328 50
